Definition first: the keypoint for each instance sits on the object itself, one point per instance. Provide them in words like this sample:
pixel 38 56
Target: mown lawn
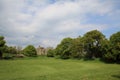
pixel 43 68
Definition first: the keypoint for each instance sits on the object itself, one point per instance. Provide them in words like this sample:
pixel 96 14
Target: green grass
pixel 43 68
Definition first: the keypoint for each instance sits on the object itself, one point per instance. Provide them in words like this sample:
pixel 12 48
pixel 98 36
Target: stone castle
pixel 42 50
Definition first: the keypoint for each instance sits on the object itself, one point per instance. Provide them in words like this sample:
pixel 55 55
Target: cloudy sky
pixel 47 22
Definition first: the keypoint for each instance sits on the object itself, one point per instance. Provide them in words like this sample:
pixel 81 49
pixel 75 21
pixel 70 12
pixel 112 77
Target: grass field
pixel 43 68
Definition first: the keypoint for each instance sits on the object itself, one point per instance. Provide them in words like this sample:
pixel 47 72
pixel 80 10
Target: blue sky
pixel 47 22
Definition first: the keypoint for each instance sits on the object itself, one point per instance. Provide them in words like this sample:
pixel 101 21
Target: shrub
pixel 30 51
pixel 50 53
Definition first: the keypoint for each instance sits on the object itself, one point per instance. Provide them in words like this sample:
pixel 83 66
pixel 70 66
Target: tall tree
pixel 2 43
pixel 92 43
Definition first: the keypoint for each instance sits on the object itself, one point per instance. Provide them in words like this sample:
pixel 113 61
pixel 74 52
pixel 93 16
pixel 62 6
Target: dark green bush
pixel 50 53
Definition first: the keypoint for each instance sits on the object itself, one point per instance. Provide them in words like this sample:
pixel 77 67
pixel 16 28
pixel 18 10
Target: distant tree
pixel 9 52
pixel 50 53
pixel 2 44
pixel 106 50
pixel 30 51
pixel 63 49
pixel 77 48
pixel 5 49
pixel 92 44
pixel 12 50
pixel 105 46
pixel 19 49
pixel 115 38
pixel 66 54
pixel 115 43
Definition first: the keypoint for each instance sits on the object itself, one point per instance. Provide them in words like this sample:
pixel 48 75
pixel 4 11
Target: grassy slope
pixel 43 68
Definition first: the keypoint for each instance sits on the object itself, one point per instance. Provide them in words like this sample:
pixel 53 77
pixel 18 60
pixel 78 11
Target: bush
pixel 50 53
pixel 66 54
pixel 7 56
pixel 30 51
pixel 109 57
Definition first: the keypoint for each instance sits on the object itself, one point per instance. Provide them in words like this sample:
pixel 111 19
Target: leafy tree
pixel 115 42
pixel 77 48
pixel 105 46
pixel 9 52
pixel 106 50
pixel 12 50
pixel 50 53
pixel 30 51
pixel 63 49
pixel 92 43
pixel 66 54
pixel 2 43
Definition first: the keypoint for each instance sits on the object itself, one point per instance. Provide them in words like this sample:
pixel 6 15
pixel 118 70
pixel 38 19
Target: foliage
pixel 77 48
pixel 92 44
pixel 11 50
pixel 8 56
pixel 63 49
pixel 50 53
pixel 113 54
pixel 30 51
pixel 66 54
pixel 2 43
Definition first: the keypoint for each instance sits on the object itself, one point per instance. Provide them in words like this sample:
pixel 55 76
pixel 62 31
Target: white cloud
pixel 46 22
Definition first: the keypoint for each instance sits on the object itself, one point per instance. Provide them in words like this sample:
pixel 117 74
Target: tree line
pixel 92 45
pixel 9 52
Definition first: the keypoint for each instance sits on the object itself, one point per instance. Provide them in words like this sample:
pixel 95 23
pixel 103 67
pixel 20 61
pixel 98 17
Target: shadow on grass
pixel 109 61
pixel 116 76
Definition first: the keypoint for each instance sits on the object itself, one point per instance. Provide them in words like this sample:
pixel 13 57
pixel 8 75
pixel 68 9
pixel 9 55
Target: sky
pixel 47 22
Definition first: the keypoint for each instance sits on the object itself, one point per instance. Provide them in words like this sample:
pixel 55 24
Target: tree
pixel 50 53
pixel 2 43
pixel 77 48
pixel 19 49
pixel 63 49
pixel 12 50
pixel 30 51
pixel 115 43
pixel 92 43
pixel 9 52
pixel 106 50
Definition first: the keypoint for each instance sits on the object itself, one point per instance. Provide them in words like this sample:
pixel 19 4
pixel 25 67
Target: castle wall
pixel 42 50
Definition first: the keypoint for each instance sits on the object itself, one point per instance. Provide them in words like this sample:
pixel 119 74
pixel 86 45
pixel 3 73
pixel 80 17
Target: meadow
pixel 44 68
